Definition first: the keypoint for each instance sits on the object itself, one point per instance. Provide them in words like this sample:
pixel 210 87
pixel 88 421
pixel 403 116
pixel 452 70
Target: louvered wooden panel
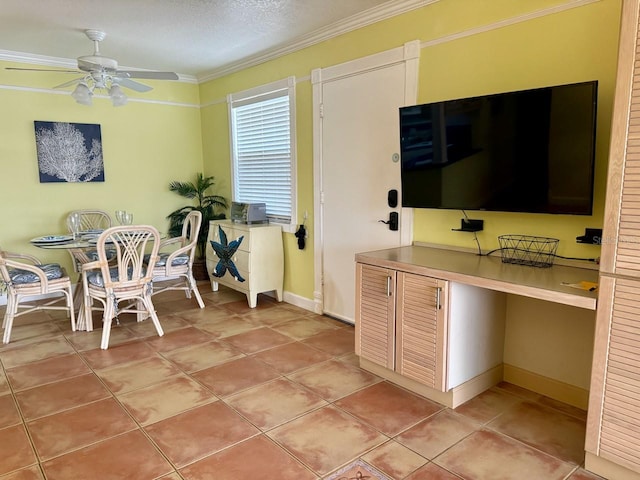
pixel 420 332
pixel 620 421
pixel 621 230
pixel 375 314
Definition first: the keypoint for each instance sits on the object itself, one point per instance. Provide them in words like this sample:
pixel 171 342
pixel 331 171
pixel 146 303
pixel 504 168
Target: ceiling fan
pixel 100 72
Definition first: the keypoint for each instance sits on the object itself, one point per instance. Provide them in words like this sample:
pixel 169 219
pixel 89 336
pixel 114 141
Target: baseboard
pixel 563 392
pixel 469 389
pixel 298 301
pixel 608 469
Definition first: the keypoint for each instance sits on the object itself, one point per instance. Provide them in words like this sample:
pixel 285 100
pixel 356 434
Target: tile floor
pixel 236 393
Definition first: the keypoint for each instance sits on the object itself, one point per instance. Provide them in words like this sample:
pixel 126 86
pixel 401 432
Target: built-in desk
pixel 434 321
pixel 489 272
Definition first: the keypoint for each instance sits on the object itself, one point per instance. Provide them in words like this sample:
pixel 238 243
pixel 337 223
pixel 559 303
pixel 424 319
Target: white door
pixel 358 164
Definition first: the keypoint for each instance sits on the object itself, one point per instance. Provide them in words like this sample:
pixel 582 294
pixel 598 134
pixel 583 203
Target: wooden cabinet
pixel 613 424
pixel 402 323
pixel 423 332
pixel 259 258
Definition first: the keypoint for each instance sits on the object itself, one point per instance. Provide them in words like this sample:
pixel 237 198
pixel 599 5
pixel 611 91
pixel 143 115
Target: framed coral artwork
pixel 69 152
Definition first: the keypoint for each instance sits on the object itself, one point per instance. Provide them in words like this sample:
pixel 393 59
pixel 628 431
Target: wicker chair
pixel 90 220
pixel 174 268
pixel 126 279
pixel 24 276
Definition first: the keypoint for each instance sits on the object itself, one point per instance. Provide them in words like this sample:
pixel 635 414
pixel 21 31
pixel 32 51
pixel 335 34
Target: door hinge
pixel 322 110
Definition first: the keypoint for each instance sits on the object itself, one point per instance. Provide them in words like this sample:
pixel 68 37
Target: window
pixel 262 123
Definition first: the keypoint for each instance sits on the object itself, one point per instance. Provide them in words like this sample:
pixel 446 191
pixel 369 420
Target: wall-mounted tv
pixel 524 151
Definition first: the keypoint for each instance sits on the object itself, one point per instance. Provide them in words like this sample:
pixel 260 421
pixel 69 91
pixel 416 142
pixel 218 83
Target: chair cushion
pixel 95 277
pixel 52 271
pixel 182 259
pixel 93 254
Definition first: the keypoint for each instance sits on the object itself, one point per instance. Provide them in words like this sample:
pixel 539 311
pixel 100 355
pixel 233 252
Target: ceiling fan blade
pixel 70 82
pixel 42 70
pixel 151 75
pixel 138 87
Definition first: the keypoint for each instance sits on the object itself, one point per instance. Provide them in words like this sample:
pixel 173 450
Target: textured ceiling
pixel 199 38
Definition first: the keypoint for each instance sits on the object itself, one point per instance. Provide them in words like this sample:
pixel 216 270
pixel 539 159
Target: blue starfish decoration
pixel 225 252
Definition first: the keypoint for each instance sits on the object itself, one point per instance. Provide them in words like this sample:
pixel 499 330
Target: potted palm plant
pixel 207 204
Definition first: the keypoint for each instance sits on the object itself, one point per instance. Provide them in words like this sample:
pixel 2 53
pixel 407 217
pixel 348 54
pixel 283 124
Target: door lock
pixel 392 222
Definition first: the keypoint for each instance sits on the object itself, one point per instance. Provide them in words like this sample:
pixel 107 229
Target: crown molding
pixel 368 17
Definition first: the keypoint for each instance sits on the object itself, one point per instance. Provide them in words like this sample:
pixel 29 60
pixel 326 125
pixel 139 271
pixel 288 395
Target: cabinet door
pixel 613 425
pixel 421 329
pixel 375 314
pixel 621 229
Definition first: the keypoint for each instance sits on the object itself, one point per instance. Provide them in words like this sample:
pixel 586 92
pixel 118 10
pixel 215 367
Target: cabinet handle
pixel 388 286
pixel 438 292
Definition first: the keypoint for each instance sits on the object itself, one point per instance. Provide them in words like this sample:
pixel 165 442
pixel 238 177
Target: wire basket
pixel 528 250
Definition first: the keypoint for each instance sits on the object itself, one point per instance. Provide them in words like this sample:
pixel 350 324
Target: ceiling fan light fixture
pixel 82 94
pixel 118 98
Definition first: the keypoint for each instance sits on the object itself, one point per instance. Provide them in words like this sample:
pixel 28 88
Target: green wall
pixel 470 47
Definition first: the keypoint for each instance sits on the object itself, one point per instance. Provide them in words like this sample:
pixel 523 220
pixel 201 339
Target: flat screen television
pixel 524 151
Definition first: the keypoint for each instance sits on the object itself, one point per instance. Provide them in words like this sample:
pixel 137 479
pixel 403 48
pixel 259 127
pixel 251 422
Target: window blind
pixel 262 154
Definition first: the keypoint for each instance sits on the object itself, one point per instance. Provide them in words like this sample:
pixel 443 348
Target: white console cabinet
pixel 259 258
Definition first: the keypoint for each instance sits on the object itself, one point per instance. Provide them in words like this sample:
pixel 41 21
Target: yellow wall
pixel 459 58
pixel 145 146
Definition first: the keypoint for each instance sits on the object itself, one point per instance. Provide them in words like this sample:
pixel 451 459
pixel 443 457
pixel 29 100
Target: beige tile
pixel 327 438
pixel 487 454
pixel 388 408
pixel 332 380
pixel 303 328
pixel 9 414
pixel 184 337
pixel 70 430
pixel 129 456
pixel 274 403
pixel 291 357
pixel 546 429
pixel 197 433
pixel 488 405
pixel 34 352
pixel 29 473
pixel 82 340
pixel 256 458
pixel 228 327
pixel 114 355
pixel 235 376
pixel 336 342
pixel 161 400
pixel 192 359
pixel 133 375
pixel 58 396
pixel 17 452
pixel 46 371
pixel 432 471
pixel 394 459
pixel 261 338
pixel 434 435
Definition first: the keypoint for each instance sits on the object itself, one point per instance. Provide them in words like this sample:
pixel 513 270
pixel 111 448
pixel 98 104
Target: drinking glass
pixel 127 218
pixel 75 224
pixel 119 215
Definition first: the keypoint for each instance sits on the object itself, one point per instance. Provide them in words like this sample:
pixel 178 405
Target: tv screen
pixel 525 151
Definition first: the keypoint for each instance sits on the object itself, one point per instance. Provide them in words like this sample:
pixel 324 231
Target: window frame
pixel 280 88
